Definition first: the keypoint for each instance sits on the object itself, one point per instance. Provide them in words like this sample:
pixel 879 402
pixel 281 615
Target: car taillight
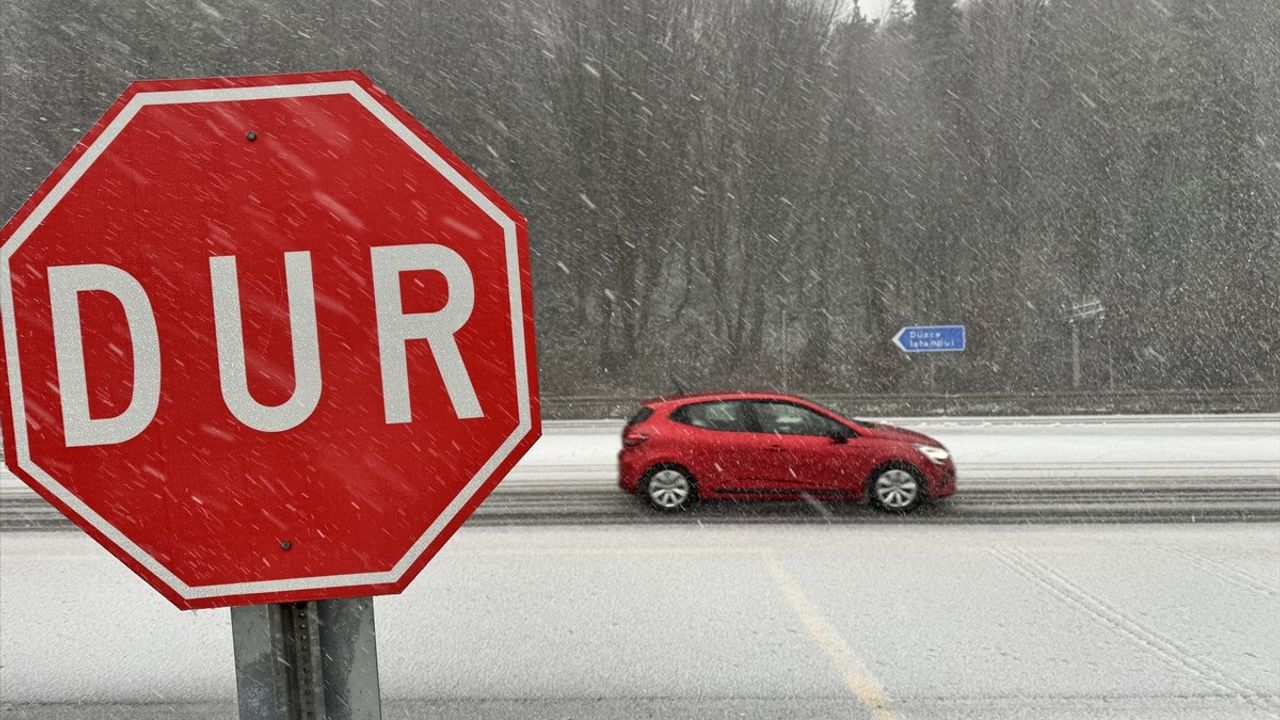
pixel 634 439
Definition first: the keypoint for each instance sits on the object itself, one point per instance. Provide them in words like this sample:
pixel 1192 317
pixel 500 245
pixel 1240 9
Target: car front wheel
pixel 896 489
pixel 670 489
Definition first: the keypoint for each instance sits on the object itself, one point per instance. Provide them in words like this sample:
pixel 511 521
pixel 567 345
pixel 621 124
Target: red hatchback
pixel 676 451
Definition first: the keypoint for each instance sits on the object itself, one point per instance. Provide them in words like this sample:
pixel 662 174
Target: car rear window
pixel 731 416
pixel 640 416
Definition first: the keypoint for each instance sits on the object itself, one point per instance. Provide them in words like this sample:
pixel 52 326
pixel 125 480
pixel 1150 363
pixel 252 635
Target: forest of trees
pixel 761 192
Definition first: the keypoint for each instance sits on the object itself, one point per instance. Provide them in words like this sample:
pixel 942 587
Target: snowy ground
pixel 786 619
pixel 1140 621
pixel 1066 469
pixel 986 450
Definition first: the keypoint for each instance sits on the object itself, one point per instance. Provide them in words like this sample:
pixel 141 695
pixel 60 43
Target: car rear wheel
pixel 896 489
pixel 670 489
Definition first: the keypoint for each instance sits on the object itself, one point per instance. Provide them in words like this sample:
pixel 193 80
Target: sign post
pixel 1087 309
pixel 298 661
pixel 269 343
pixel 931 339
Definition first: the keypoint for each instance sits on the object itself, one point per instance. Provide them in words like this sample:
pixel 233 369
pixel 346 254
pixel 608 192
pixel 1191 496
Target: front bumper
pixel 943 482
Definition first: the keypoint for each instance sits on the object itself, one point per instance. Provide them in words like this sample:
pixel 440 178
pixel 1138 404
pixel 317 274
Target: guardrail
pixel 1031 402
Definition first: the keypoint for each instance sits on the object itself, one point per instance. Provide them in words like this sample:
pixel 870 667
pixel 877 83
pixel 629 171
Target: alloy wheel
pixel 669 489
pixel 896 489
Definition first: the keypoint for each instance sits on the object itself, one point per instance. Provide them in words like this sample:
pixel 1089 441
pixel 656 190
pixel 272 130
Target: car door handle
pixel 775 448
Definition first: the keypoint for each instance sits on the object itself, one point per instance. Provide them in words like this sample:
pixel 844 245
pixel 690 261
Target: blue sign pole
pixel 930 338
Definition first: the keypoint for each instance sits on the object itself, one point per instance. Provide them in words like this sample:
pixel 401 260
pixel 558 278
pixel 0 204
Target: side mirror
pixel 840 437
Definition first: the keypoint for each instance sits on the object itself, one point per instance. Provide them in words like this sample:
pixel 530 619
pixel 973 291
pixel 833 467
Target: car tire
pixel 896 488
pixel 669 489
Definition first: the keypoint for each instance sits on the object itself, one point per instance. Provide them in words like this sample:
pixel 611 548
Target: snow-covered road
pixel 989 449
pixel 818 612
pixel 1010 469
pixel 808 621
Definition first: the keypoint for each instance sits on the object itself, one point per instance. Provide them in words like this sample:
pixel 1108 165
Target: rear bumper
pixel 629 469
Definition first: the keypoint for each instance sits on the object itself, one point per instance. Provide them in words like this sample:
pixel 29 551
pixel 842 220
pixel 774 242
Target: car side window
pixel 787 419
pixel 728 416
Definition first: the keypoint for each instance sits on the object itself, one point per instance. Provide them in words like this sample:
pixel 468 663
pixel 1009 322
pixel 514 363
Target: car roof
pixel 687 398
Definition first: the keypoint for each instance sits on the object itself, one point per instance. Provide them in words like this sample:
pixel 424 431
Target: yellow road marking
pixel 864 687
pixel 859 681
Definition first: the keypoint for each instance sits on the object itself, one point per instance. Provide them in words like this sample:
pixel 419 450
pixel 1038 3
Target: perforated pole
pixel 307 661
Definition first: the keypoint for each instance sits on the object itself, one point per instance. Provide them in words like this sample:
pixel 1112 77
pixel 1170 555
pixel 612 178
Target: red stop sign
pixel 266 339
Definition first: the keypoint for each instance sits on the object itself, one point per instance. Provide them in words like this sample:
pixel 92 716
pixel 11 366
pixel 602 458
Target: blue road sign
pixel 930 338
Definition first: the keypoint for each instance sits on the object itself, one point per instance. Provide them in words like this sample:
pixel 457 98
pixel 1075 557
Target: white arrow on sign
pixel 897 340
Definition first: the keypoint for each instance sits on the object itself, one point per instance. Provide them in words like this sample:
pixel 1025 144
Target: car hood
pixel 898 434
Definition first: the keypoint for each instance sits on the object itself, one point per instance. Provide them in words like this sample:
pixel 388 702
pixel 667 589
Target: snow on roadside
pixel 985 447
pixel 544 612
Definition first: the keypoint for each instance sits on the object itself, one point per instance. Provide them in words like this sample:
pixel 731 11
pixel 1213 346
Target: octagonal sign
pixel 266 339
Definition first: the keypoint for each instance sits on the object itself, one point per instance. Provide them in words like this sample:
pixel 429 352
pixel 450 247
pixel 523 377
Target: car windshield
pixel 498 359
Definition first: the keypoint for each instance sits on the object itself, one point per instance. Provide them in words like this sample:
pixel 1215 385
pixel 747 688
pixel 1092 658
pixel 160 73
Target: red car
pixel 676 451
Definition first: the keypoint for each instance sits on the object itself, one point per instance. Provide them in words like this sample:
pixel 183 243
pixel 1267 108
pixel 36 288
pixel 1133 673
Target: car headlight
pixel 936 454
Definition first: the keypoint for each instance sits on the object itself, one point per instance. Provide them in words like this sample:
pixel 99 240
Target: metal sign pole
pixel 307 661
pixel 1075 355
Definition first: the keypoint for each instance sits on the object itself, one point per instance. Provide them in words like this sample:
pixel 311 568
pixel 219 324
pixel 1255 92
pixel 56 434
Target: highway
pixel 1089 568
pixel 1019 470
pixel 1135 621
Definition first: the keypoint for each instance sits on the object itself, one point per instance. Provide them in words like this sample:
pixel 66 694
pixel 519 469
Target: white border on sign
pixel 265 92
